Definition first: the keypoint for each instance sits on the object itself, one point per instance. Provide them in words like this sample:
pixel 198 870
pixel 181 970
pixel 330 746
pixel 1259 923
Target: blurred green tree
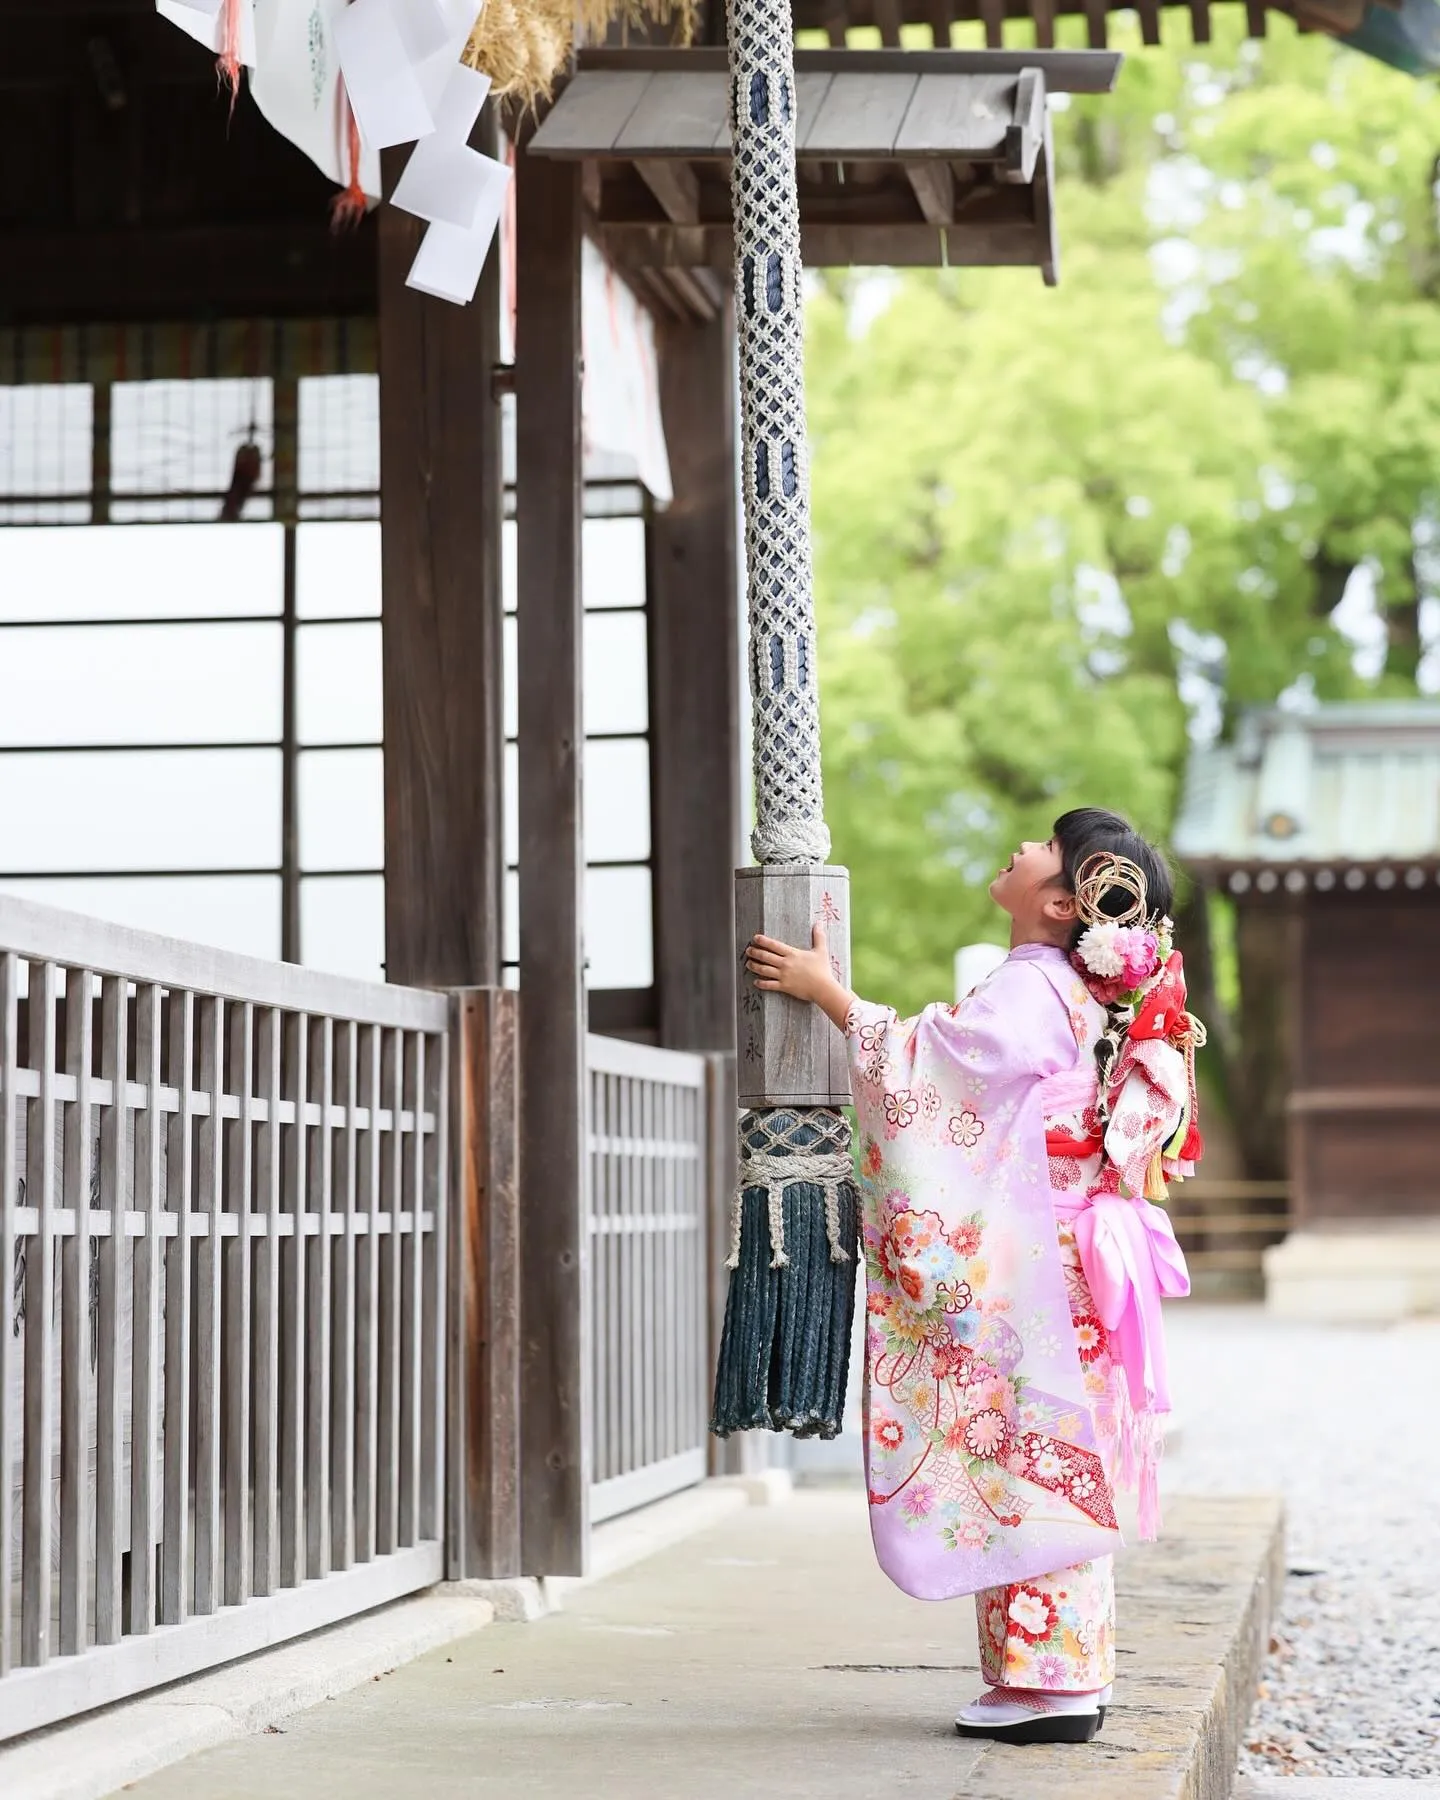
pixel 1054 529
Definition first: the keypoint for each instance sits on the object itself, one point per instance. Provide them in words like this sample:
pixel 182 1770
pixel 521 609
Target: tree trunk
pixel 1402 628
pixel 1332 577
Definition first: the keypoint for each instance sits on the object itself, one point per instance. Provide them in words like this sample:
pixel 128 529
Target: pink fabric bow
pixel 1131 1262
pixel 1130 1257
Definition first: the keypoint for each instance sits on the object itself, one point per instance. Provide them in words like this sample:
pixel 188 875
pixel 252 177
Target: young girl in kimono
pixel 1011 1149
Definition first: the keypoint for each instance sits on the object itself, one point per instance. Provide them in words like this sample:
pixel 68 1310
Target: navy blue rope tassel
pixel 785 1347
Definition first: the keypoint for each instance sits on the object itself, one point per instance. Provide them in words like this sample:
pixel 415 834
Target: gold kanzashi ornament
pixel 1098 877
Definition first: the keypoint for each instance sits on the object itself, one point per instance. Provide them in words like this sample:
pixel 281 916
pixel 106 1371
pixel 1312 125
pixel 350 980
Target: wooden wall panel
pixel 1371 973
pixel 1378 1167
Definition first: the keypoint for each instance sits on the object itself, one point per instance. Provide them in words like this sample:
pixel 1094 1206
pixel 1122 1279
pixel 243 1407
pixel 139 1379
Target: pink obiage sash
pixel 1131 1260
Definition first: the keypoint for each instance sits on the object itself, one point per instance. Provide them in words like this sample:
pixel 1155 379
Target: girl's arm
pixel 803 974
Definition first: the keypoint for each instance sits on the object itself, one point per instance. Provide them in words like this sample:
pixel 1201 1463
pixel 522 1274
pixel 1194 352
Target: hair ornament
pixel 1103 874
pixel 1121 953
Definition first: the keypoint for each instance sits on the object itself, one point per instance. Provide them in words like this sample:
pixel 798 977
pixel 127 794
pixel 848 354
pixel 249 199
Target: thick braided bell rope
pixel 789 805
pixel 779 1149
pixel 789 1310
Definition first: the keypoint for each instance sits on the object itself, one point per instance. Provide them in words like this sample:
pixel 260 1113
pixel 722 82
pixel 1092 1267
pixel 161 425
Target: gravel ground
pixel 1345 1422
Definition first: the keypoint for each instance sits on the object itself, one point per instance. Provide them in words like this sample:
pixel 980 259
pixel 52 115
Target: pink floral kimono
pixel 1014 1368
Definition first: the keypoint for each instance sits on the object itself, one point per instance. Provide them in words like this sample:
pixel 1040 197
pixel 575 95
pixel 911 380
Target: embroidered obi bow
pixel 1155 1072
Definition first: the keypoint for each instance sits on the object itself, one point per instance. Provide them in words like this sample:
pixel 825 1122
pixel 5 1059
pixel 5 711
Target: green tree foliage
pixel 1050 524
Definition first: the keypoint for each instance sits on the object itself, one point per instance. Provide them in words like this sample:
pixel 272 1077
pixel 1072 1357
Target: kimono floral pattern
pixel 1053 1631
pixel 982 1454
pixel 1057 1631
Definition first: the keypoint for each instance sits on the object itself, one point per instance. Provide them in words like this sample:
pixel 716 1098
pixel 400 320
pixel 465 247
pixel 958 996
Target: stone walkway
pixel 1343 1422
pixel 771 1643
pixel 768 1659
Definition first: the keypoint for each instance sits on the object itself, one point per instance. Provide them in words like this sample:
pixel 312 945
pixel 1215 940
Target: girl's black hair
pixel 1089 830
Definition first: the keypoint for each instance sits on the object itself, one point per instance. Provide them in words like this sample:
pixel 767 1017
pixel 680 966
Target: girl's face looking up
pixel 1030 888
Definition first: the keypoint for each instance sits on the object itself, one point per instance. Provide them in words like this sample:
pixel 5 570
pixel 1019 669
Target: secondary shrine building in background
pixel 1322 830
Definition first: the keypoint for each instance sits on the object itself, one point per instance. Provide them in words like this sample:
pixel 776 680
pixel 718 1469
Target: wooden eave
pixel 1281 878
pixel 904 157
pixel 837 18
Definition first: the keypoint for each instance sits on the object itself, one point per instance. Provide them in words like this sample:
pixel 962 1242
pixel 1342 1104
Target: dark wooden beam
pixel 656 289
pixel 1024 138
pixel 873 196
pixel 441 511
pixel 1042 197
pixel 624 1012
pixel 832 16
pixel 695 288
pixel 674 184
pixel 1065 71
pixel 1004 243
pixel 275 270
pixel 992 13
pixel 695 691
pixel 887 21
pixel 555 1460
pixel 934 186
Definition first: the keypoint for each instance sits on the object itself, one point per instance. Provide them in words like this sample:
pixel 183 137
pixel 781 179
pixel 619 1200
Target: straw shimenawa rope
pixel 523 45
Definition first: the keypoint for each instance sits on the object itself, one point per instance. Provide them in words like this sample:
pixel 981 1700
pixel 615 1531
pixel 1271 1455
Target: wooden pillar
pixel 441 507
pixel 286 428
pixel 483 1514
pixel 555 1460
pixel 695 691
pixel 442 498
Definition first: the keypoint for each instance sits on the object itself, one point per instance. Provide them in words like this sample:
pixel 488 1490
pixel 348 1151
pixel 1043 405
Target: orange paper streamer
pixel 229 59
pixel 348 208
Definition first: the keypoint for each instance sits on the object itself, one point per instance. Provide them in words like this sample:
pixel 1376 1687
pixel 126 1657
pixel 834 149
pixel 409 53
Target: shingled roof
pixel 1345 793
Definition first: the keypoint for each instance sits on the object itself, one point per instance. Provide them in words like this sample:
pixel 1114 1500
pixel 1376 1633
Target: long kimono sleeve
pixel 1010 1030
pixel 980 1449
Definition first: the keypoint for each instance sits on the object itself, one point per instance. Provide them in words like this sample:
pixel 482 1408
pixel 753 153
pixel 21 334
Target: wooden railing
pixel 650 1209
pixel 223 1198
pixel 1224 1227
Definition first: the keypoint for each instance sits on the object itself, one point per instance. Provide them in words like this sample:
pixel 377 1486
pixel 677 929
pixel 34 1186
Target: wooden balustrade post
pixel 483 1532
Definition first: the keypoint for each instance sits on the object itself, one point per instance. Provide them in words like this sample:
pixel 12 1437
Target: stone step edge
pixel 1178 1721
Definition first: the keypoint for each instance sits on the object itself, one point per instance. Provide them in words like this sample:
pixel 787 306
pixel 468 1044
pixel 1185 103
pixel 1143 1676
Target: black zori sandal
pixel 1030 1716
